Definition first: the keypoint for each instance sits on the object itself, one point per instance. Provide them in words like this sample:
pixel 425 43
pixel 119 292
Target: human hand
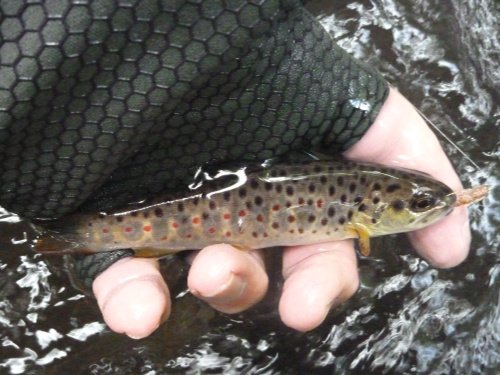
pixel 134 298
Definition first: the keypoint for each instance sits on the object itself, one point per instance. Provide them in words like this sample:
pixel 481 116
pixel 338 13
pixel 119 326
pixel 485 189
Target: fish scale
pixel 278 205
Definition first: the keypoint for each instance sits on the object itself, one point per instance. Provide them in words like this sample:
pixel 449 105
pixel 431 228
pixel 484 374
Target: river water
pixel 407 318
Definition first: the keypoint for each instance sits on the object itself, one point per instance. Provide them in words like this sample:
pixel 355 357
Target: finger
pixel 133 297
pixel 317 277
pixel 228 279
pixel 400 137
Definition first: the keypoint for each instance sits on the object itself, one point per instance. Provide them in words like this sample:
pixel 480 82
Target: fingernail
pixel 231 290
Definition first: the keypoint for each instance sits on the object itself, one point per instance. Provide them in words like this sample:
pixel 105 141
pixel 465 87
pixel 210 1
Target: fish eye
pixel 422 201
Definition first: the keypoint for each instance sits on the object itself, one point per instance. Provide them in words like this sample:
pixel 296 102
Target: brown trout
pixel 278 205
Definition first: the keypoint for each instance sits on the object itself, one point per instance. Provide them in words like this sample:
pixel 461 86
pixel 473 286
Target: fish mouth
pixel 450 200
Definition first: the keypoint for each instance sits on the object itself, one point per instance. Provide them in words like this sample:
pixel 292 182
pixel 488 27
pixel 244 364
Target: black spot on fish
pixel 279 188
pixel 145 214
pixel 119 219
pixel 242 193
pixel 312 188
pixel 362 207
pixel 254 184
pixel 226 195
pixel 311 218
pixel 349 214
pixel 180 207
pixel 331 190
pixel 212 205
pixel 134 214
pixel 392 188
pixel 323 179
pixel 158 212
pixel 196 200
pixel 374 221
pixel 358 199
pixel 352 187
pixel 310 202
pixel 331 211
pixel 324 221
pixel 341 220
pixel 248 204
pixel 340 180
pixel 343 198
pixel 362 180
pixel 398 204
pixel 205 215
pixel 258 200
pixel 376 186
pixel 289 190
pixel 376 200
pixel 268 186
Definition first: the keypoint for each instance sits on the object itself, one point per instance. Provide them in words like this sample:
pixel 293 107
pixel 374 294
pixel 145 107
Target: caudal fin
pixel 54 244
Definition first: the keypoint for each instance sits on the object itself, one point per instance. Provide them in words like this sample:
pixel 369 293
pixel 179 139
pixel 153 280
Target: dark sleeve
pixel 103 100
pixel 103 103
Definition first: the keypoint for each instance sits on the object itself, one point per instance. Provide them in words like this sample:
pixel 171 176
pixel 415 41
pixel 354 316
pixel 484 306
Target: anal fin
pixel 152 252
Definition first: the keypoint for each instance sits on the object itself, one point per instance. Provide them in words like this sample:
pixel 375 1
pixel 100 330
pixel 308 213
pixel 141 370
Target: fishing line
pixel 448 139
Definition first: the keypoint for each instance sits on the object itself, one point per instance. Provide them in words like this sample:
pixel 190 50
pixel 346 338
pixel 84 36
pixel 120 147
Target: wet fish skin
pixel 278 205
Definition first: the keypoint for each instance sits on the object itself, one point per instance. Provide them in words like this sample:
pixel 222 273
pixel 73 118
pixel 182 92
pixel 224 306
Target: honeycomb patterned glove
pixel 103 102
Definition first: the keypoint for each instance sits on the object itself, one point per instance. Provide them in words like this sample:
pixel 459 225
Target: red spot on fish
pixel 211 230
pixel 227 216
pixel 105 230
pixel 228 234
pixel 260 218
pixel 175 225
pixel 265 234
pixel 242 213
pixel 164 238
pixel 147 228
pixel 301 201
pixel 291 219
pixel 189 235
pixel 128 229
pixel 276 207
pixel 319 203
pixel 292 230
pixel 196 220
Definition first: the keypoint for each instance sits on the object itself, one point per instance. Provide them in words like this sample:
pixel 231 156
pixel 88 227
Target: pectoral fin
pixel 363 236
